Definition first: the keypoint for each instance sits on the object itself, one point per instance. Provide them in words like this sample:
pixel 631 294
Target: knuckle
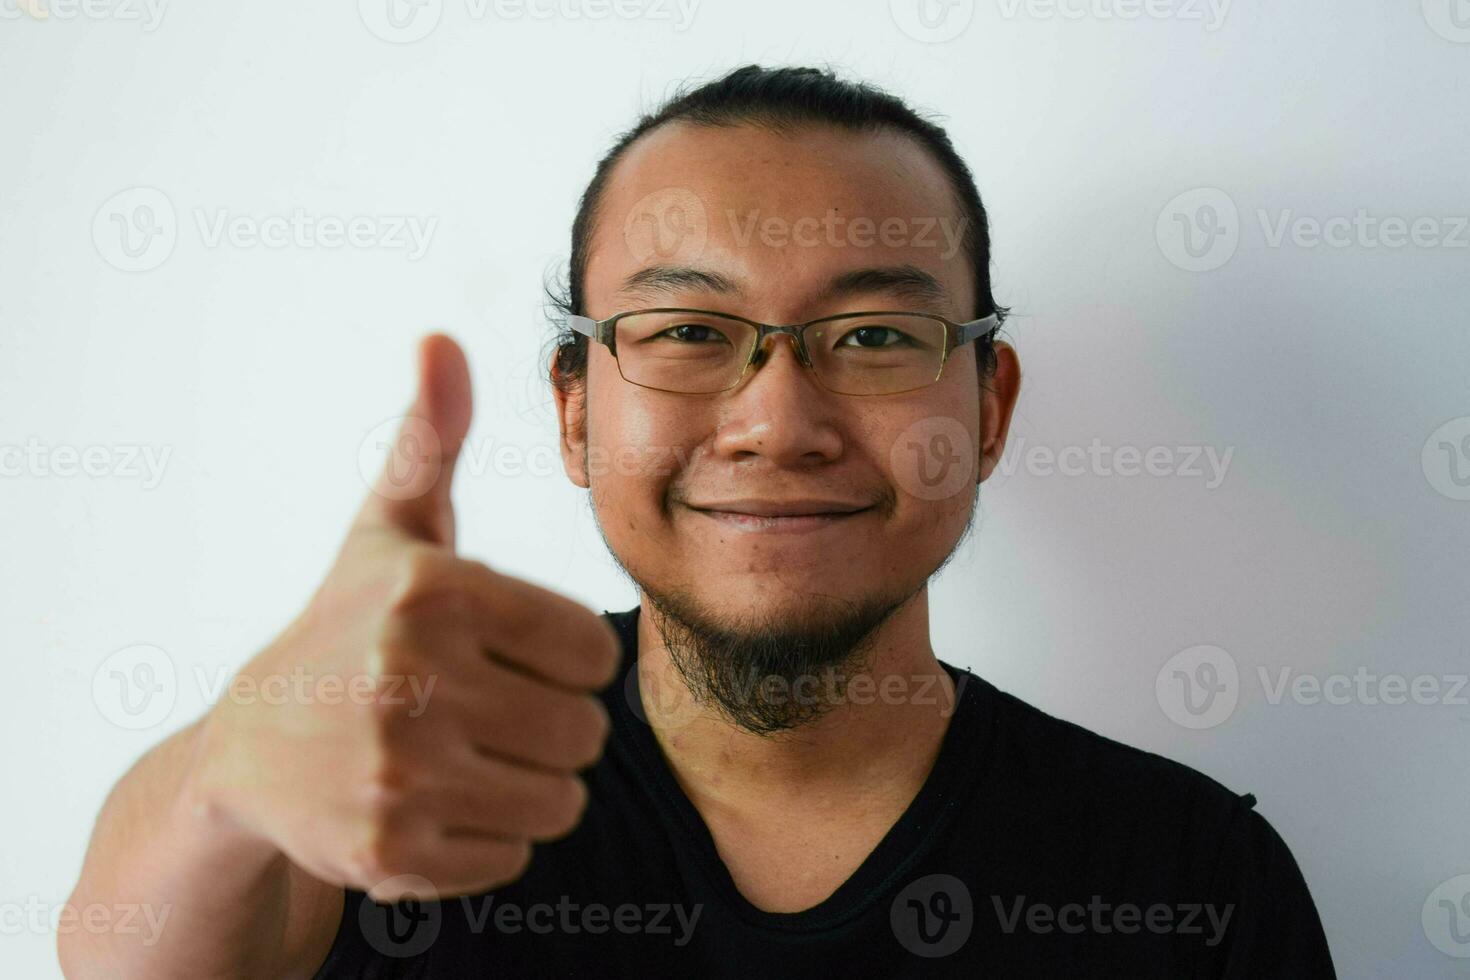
pixel 587 732
pixel 597 651
pixel 510 864
pixel 565 806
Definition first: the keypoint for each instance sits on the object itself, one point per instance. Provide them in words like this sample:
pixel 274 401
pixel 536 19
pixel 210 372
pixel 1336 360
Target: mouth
pixel 789 517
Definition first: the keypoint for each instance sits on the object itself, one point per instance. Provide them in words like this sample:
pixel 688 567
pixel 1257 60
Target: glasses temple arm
pixel 978 328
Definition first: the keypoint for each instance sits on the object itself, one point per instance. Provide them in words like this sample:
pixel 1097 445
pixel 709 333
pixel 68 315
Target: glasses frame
pixel 956 335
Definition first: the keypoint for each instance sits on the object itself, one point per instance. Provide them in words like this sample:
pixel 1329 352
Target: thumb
pixel 411 494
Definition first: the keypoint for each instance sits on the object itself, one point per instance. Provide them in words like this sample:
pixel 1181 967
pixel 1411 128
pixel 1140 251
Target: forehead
pixel 779 215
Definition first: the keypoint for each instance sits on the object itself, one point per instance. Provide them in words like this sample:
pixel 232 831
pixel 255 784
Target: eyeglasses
pixel 696 352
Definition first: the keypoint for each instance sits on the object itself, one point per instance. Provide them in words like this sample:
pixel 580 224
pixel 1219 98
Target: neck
pixel 883 730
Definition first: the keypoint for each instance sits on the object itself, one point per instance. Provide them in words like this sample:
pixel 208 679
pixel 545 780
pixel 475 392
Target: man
pixel 778 776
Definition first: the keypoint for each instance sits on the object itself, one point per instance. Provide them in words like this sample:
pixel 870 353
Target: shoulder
pixel 1050 772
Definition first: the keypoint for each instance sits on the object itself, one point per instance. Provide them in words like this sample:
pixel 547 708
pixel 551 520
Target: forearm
pixel 204 898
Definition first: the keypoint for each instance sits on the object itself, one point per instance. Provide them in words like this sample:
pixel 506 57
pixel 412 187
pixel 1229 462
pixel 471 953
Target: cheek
pixel 928 448
pixel 637 442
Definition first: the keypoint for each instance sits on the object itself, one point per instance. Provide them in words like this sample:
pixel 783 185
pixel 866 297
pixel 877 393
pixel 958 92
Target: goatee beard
pixel 770 675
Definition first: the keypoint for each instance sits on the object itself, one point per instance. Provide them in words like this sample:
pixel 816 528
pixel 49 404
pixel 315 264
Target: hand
pixel 472 712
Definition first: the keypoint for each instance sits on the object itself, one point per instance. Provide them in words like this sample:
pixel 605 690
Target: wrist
pixel 206 802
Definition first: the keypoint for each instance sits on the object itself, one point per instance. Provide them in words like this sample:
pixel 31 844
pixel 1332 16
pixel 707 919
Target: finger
pixel 518 624
pixel 487 794
pixel 443 864
pixel 412 493
pixel 515 716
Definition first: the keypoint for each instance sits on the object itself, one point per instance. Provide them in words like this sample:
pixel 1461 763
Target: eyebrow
pixel 908 282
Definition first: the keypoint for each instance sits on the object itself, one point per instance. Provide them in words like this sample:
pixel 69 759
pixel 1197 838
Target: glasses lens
pixel 694 353
pixel 877 354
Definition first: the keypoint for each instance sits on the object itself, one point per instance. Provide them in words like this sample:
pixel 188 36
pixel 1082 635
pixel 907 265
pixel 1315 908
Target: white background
pixel 1336 541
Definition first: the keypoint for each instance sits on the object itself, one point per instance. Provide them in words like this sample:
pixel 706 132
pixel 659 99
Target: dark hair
pixel 778 98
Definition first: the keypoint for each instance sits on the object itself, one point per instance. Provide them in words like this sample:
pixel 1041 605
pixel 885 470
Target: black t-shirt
pixel 1035 848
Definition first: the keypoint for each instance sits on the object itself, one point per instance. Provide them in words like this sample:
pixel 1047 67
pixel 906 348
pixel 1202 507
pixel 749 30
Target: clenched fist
pixel 456 783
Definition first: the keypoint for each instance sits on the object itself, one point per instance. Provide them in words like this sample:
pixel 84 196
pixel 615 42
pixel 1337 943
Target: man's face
pixel 774 228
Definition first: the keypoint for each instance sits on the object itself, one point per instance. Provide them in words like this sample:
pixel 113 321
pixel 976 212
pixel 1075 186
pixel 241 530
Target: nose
pixel 779 413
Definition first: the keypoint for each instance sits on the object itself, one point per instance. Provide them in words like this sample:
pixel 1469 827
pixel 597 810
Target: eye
pixel 692 333
pixel 874 337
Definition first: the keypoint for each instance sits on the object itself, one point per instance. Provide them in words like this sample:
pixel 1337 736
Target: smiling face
pixel 779 501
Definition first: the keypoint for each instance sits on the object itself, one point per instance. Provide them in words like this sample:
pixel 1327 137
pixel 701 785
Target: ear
pixel 997 403
pixel 571 417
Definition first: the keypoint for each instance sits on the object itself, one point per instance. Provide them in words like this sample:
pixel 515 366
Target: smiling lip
pixel 780 516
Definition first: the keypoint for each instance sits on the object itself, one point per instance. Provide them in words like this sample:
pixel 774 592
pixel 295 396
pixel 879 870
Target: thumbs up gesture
pixel 446 709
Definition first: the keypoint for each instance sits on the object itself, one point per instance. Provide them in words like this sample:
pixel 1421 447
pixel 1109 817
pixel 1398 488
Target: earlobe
pixel 997 404
pixel 571 416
